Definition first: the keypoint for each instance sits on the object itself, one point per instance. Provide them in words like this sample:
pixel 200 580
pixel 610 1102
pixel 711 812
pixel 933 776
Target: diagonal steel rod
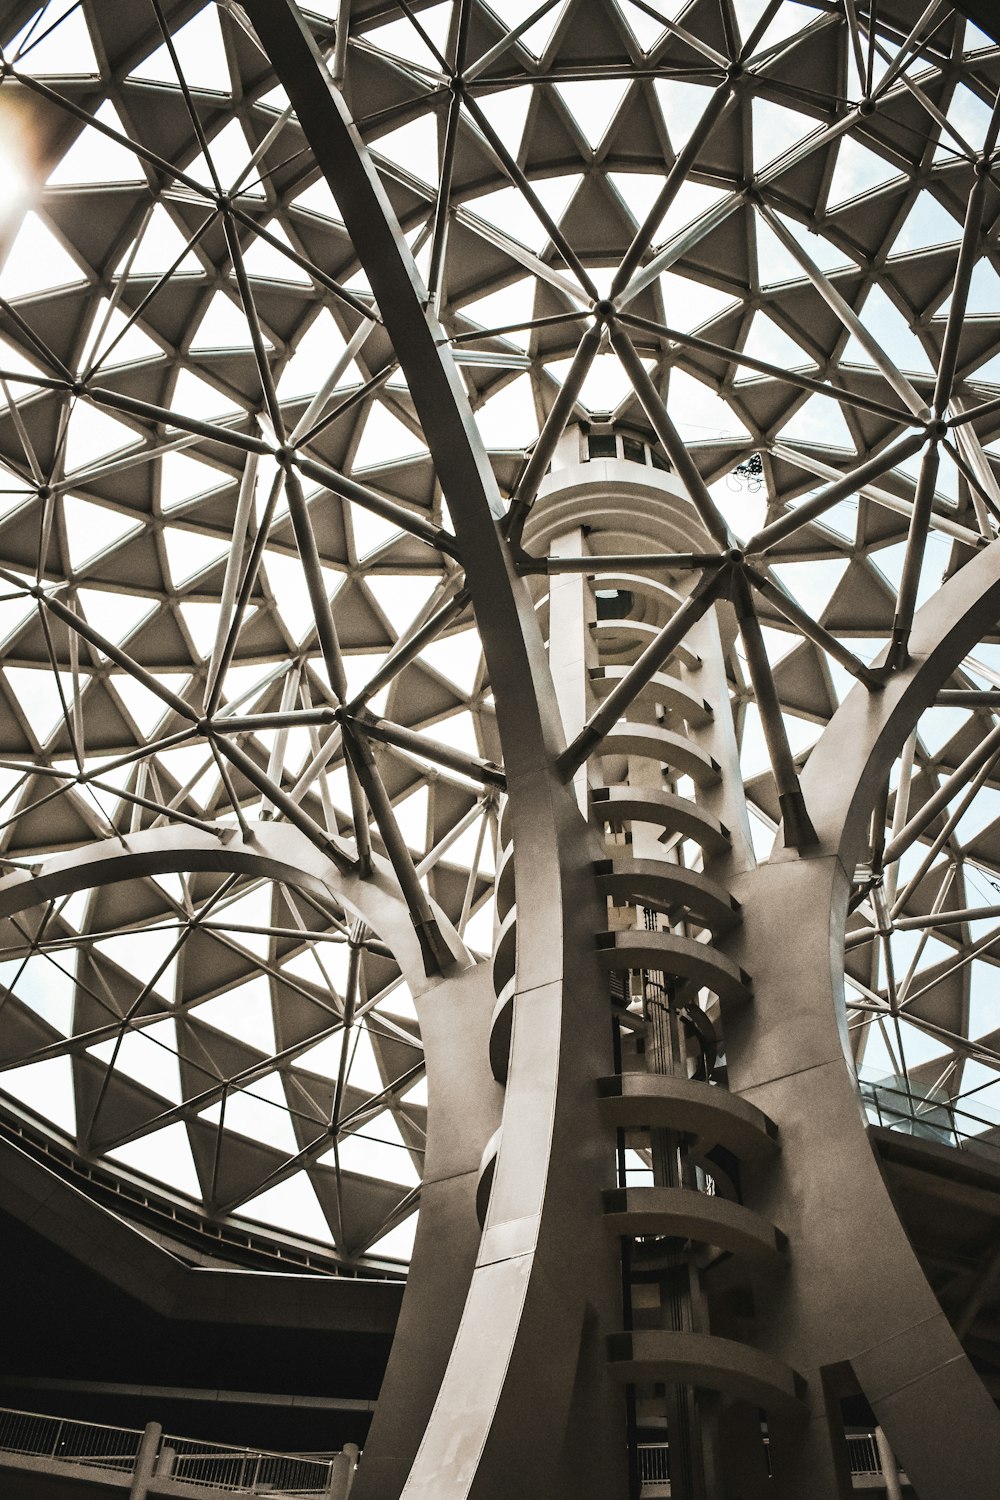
pixel 488 58
pixel 241 523
pixel 798 829
pixel 524 187
pixel 436 954
pixel 974 413
pixel 356 396
pixel 817 633
pixel 970 461
pixel 326 632
pixel 967 256
pixel 837 393
pixel 552 430
pixel 276 763
pixel 253 324
pixel 193 115
pixel 35 339
pixel 433 750
pixel 824 499
pixel 369 787
pixel 409 647
pixel 527 258
pixel 676 449
pixel 680 245
pixel 161 281
pixel 359 494
pixel 350 1005
pixel 985 751
pixel 442 212
pixel 978 947
pixel 897 63
pixel 899 814
pixel 718 105
pixel 248 767
pixel 916 544
pixel 114 653
pixel 454 833
pixel 940 519
pixel 848 317
pixel 216 679
pixel 315 408
pixel 227 437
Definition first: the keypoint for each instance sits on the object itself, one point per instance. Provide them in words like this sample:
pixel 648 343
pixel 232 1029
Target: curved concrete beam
pixel 542 1249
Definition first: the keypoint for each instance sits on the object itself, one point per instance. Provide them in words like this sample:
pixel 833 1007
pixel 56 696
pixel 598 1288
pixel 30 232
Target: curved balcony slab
pixel 710 1114
pixel 638 804
pixel 505 953
pixel 654 882
pixel 640 634
pixel 653 742
pixel 505 881
pixel 683 1213
pixel 487 1171
pixel 678 956
pixel 650 509
pixel 674 695
pixel 501 1025
pixel 647 1355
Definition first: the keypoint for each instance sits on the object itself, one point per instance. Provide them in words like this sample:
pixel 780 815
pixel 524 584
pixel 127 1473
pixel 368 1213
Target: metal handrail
pixel 862 1449
pixel 68 1441
pixel 249 1471
pixel 217 1466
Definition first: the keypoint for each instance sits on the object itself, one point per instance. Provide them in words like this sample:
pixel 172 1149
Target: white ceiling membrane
pixel 180 304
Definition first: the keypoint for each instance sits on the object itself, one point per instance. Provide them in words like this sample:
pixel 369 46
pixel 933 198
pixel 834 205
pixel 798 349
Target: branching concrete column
pixel 855 1297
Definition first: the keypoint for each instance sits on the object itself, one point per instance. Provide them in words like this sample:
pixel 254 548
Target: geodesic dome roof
pixel 776 193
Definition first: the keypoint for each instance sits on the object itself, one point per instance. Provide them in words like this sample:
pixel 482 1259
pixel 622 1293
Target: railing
pixel 654 1459
pixel 242 1470
pixel 654 1463
pixel 247 1244
pixel 928 1118
pixel 254 1471
pixel 864 1454
pixel 68 1441
pixel 238 1471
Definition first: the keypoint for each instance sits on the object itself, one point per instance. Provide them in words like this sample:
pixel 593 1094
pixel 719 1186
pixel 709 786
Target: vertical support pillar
pixel 342 1472
pixel 886 1457
pixel 145 1462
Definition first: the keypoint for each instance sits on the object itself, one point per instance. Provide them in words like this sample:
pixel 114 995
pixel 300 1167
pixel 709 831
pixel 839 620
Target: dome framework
pixel 636 255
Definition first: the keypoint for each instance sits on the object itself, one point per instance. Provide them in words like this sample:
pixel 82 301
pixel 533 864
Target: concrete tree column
pixel 854 1303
